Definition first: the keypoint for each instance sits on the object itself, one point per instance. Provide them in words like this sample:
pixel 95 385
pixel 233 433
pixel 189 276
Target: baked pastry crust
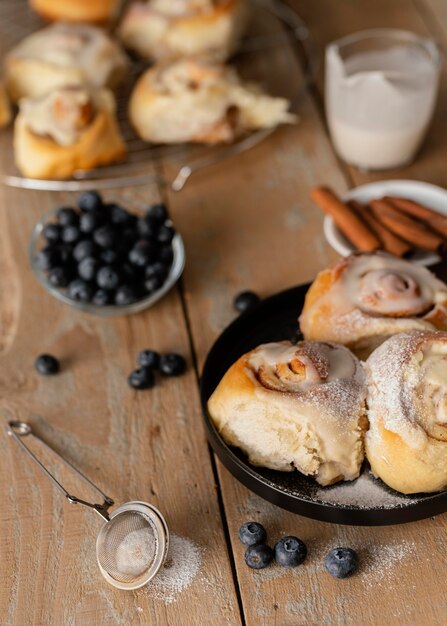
pixel 406 443
pixel 70 129
pixel 5 107
pixel 169 29
pixel 295 407
pixel 366 297
pixel 193 100
pixel 76 10
pixel 60 55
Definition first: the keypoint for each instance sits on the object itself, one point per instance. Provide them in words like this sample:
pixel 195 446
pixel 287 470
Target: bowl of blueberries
pixel 104 259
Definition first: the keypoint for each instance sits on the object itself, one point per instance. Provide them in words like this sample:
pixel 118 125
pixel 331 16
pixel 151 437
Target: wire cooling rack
pixel 274 35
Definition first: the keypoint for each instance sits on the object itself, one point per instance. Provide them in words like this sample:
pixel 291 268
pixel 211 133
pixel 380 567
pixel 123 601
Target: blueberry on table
pixel 88 268
pixel 341 562
pixel 125 295
pixel 158 212
pixel 149 358
pixel 79 290
pixel 108 278
pixel 172 364
pixel 71 234
pixel 290 551
pixel 52 233
pixel 47 365
pixel 48 258
pixel 252 533
pixel 59 277
pixel 89 201
pixel 101 297
pixel 142 378
pixel 258 556
pixel 245 301
pixel 88 222
pixel 105 236
pixel 84 249
pixel 67 216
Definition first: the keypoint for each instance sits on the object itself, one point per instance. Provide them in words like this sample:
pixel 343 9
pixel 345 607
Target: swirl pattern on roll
pixel 407 398
pixel 367 297
pixel 295 407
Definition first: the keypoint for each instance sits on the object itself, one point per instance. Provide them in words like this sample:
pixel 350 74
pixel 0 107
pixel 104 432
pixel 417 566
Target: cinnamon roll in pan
pixel 76 10
pixel 67 130
pixel 295 407
pixel 406 443
pixel 60 55
pixel 367 297
pixel 5 107
pixel 169 29
pixel 193 100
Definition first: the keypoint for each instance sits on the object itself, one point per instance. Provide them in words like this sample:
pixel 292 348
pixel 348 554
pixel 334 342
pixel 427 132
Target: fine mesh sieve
pixel 133 543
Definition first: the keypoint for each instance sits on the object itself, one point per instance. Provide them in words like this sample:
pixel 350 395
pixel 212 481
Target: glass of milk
pixel 381 88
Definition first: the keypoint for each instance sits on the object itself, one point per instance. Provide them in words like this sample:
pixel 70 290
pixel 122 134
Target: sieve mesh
pixel 128 546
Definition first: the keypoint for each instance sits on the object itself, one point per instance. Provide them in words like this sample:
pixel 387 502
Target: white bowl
pixel 429 195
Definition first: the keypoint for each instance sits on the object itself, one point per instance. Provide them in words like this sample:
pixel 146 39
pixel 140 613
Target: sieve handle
pixel 17 430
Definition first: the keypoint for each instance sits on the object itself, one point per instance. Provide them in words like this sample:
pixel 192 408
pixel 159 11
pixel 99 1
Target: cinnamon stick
pixel 406 227
pixel 390 242
pixel 358 233
pixel 436 221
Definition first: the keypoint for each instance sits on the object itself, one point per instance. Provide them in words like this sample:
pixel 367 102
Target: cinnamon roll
pixel 60 55
pixel 406 443
pixel 76 10
pixel 72 128
pixel 169 29
pixel 295 407
pixel 366 297
pixel 5 108
pixel 198 101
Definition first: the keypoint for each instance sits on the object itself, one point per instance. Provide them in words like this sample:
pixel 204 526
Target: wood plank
pixel 249 224
pixel 147 445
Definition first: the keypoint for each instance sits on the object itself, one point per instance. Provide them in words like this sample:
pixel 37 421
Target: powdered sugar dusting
pixel 181 568
pixel 380 561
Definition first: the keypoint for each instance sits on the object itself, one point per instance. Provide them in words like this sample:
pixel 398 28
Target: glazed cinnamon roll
pixel 60 55
pixel 76 10
pixel 295 407
pixel 406 443
pixel 5 108
pixel 366 297
pixel 72 128
pixel 169 29
pixel 198 101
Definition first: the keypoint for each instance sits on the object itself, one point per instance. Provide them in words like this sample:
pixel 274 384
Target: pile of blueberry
pixel 149 362
pixel 101 253
pixel 290 552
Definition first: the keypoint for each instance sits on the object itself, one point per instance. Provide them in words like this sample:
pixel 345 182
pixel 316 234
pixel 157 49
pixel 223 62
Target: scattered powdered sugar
pixel 380 560
pixel 181 568
pixel 136 552
pixel 365 493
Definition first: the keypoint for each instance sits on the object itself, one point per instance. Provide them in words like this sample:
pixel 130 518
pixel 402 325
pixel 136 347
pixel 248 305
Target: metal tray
pixel 273 319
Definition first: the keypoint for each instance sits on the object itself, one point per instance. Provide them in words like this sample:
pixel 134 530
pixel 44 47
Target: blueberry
pixel 245 300
pixel 89 222
pixel 88 268
pixel 102 297
pixel 142 254
pixel 47 365
pixel 84 249
pixel 120 216
pixel 59 277
pixel 71 234
pixel 89 201
pixel 341 562
pixel 105 236
pixel 258 556
pixel 172 364
pixel 252 533
pixel 65 252
pixel 48 258
pixel 67 217
pixel 107 278
pixel 109 256
pixel 52 233
pixel 125 295
pixel 153 284
pixel 157 269
pixel 290 551
pixel 149 358
pixel 79 290
pixel 158 212
pixel 165 234
pixel 147 227
pixel 166 255
pixel 142 378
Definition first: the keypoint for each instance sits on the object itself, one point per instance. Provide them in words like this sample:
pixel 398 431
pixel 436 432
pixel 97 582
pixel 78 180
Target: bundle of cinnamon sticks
pixel 394 224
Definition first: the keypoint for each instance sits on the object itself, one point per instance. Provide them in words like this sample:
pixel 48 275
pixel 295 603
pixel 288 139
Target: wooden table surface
pixel 247 223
